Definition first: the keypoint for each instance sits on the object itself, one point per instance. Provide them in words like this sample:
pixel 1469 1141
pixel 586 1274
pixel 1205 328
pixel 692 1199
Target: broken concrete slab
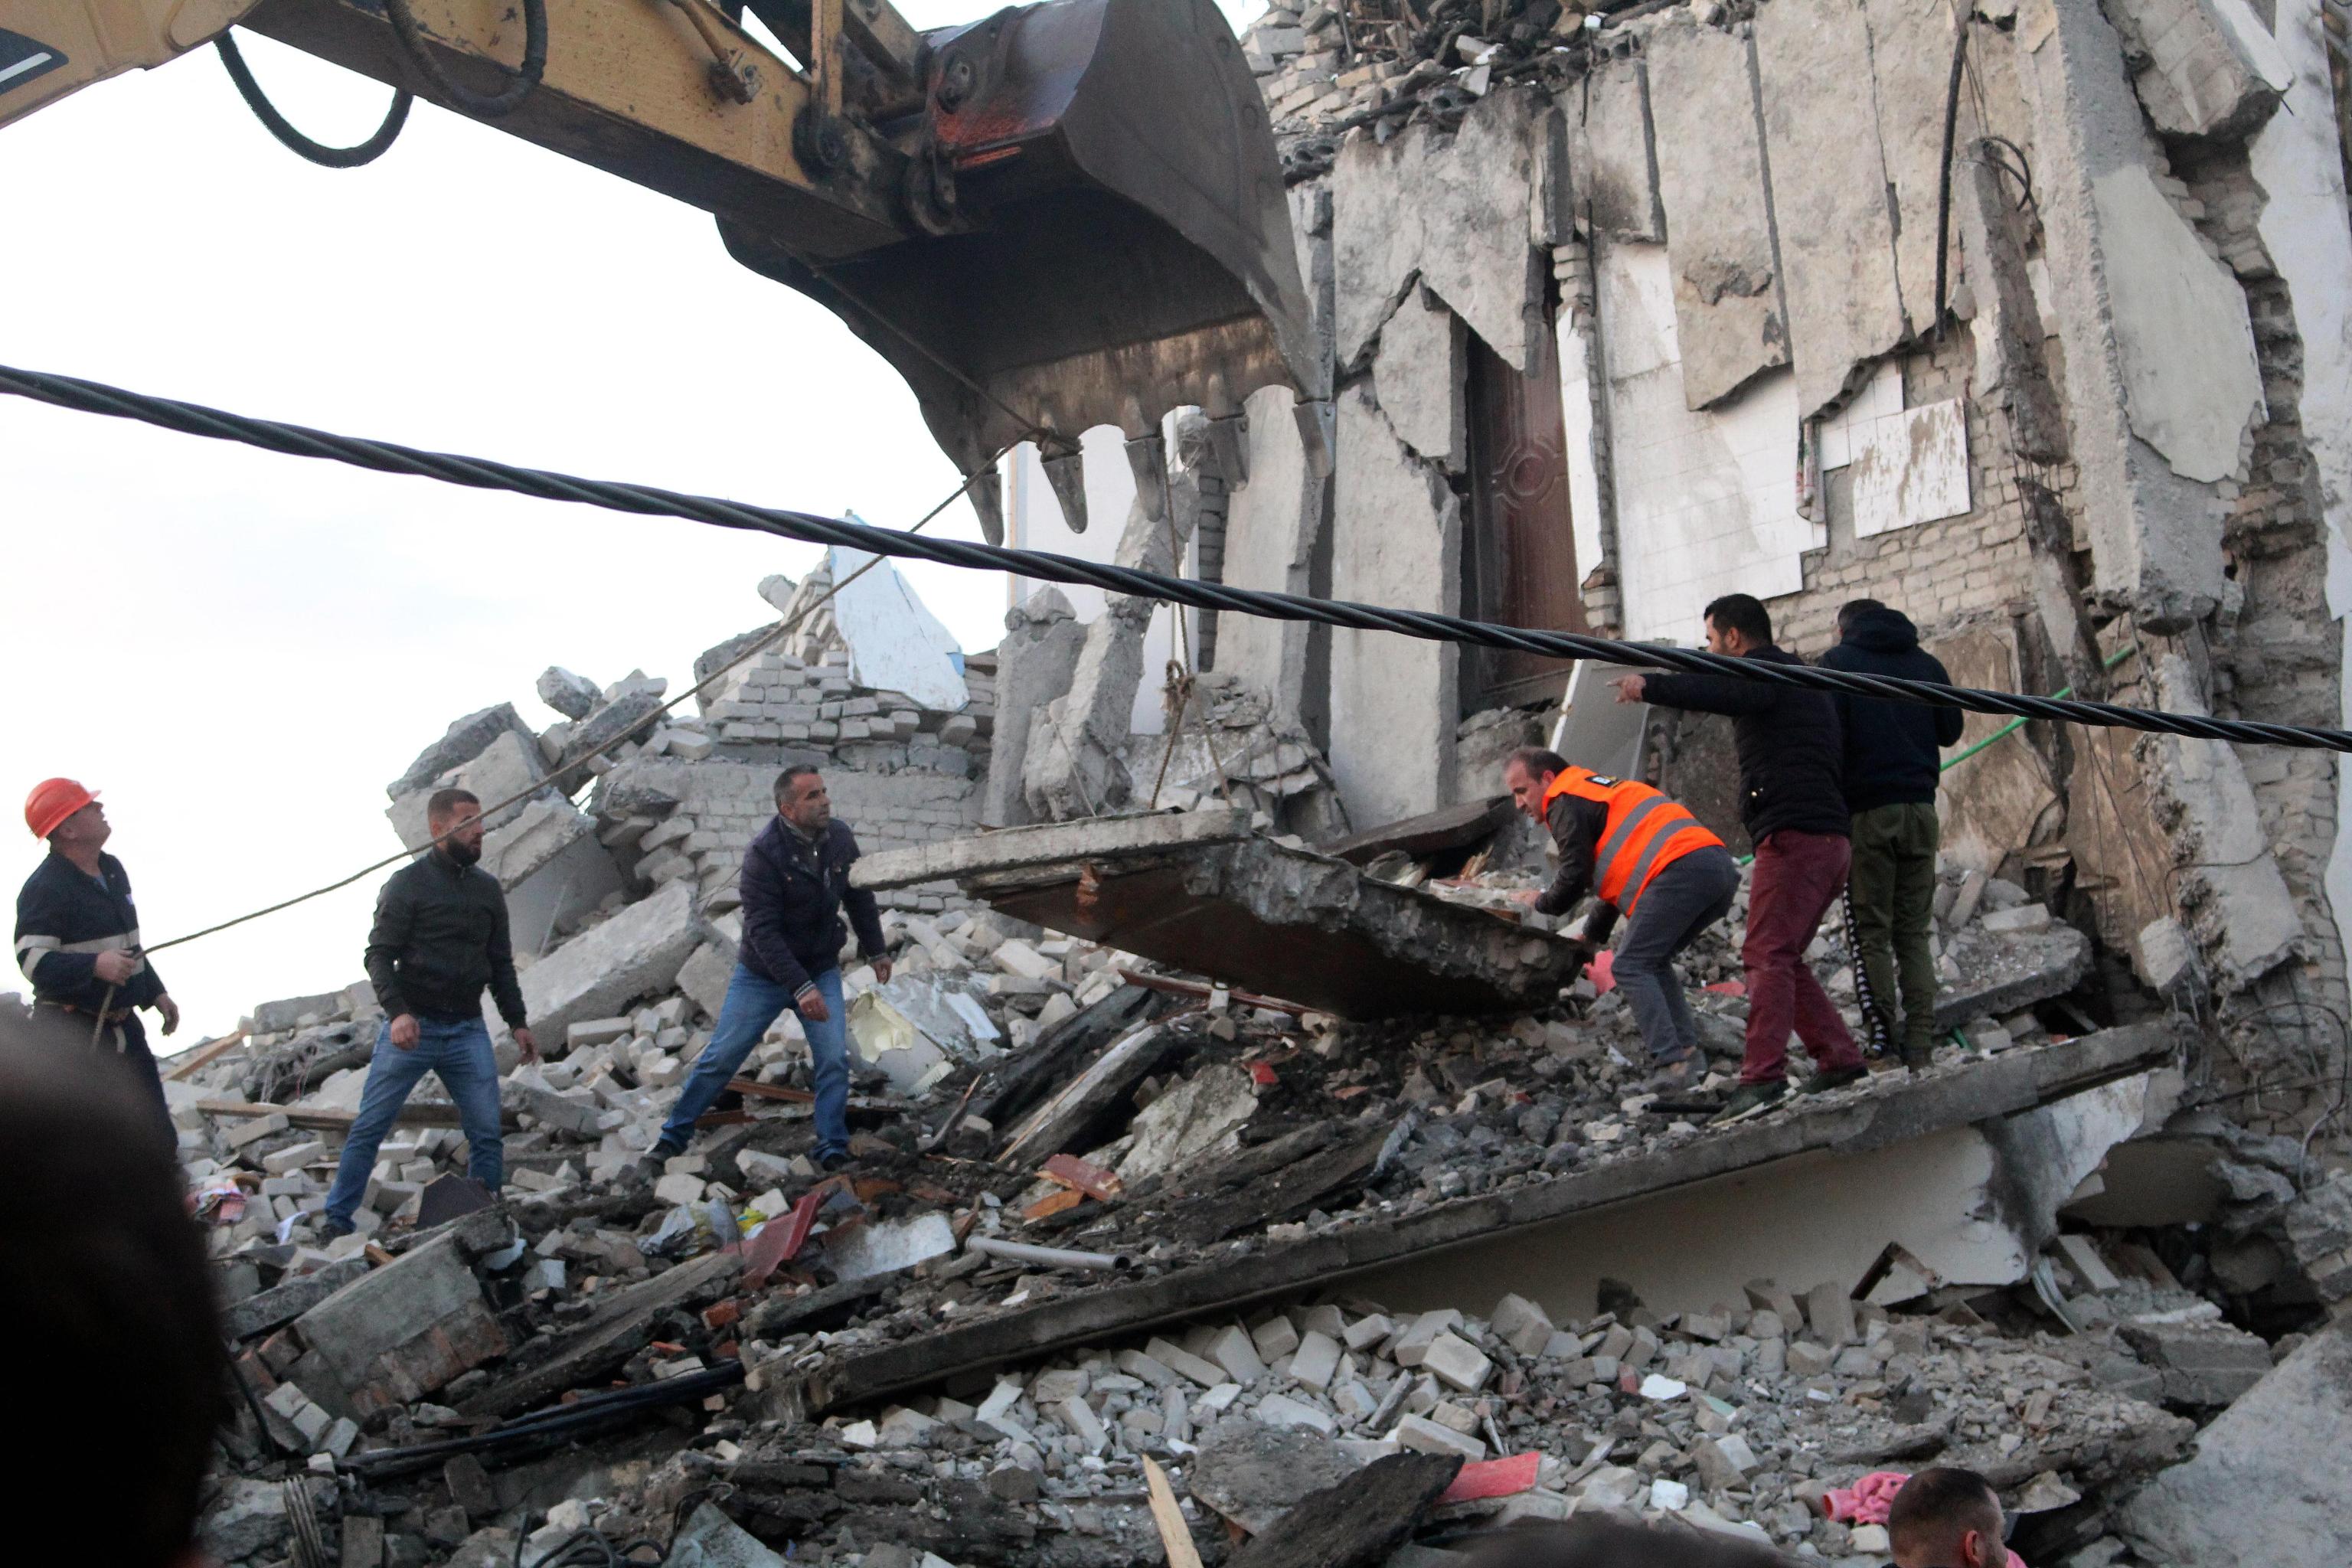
pixel 636 954
pixel 1422 374
pixel 1356 1521
pixel 1396 538
pixel 1182 889
pixel 1615 162
pixel 895 643
pixel 1253 1473
pixel 615 1330
pixel 1190 1121
pixel 287 1300
pixel 1911 64
pixel 2206 67
pixel 711 1540
pixel 1468 234
pixel 398 1332
pixel 1730 321
pixel 509 764
pixel 1894 1112
pixel 465 740
pixel 2000 974
pixel 2271 1474
pixel 1829 193
pixel 1463 826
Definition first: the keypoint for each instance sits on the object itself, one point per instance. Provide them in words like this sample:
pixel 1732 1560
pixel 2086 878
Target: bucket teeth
pixel 985 490
pixel 1068 475
pixel 1147 459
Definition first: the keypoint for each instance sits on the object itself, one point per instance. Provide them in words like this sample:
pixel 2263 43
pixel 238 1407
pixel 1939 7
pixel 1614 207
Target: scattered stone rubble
pixel 880 1366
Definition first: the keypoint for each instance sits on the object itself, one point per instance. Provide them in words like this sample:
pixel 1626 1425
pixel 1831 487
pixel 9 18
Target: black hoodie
pixel 1891 748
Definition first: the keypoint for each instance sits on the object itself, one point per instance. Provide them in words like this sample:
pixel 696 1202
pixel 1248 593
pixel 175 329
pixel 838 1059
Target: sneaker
pixel 838 1160
pixel 1829 1079
pixel 1751 1100
pixel 334 1229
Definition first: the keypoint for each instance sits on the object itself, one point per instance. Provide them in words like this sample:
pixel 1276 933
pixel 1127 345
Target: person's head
pixel 1737 624
pixel 1853 610
pixel 454 818
pixel 1946 1517
pixel 1527 772
pixel 801 799
pixel 107 1290
pixel 67 816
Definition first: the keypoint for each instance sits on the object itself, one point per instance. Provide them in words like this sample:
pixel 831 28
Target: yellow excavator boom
pixel 1066 215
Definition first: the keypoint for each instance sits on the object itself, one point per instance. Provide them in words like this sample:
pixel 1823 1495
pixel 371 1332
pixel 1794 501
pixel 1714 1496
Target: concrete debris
pixel 1282 920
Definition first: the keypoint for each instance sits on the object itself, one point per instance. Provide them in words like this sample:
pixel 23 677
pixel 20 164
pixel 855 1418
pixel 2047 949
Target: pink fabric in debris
pixel 1868 1500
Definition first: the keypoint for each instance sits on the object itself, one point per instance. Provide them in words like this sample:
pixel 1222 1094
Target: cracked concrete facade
pixel 2140 467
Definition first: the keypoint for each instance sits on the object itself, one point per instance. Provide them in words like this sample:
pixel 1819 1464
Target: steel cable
pixel 484 473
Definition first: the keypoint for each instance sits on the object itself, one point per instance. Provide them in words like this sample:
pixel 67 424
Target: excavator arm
pixel 1068 215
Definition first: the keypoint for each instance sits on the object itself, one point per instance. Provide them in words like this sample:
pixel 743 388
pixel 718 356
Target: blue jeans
pixel 460 1050
pixel 752 1002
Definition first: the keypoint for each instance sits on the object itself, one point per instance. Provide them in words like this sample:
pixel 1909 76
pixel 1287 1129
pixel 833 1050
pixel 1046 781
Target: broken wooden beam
pixel 1992 1088
pixel 332 1118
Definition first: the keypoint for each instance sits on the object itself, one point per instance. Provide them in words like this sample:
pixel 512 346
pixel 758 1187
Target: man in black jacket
pixel 1893 759
pixel 1791 799
pixel 795 885
pixel 77 941
pixel 440 939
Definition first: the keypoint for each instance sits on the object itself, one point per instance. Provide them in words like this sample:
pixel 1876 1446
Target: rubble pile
pixel 1326 69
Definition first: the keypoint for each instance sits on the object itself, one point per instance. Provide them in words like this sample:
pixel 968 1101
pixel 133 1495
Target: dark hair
pixel 784 780
pixel 1852 607
pixel 1744 614
pixel 445 803
pixel 1593 1541
pixel 1537 761
pixel 107 1293
pixel 1934 1508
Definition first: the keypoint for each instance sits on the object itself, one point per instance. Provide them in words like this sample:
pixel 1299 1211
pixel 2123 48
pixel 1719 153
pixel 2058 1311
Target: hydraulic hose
pixel 519 81
pixel 318 153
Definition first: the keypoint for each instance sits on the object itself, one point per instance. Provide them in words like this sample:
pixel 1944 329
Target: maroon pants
pixel 1798 877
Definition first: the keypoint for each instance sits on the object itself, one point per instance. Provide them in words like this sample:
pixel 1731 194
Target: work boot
pixel 838 1160
pixel 1829 1079
pixel 1917 1057
pixel 1751 1100
pixel 334 1229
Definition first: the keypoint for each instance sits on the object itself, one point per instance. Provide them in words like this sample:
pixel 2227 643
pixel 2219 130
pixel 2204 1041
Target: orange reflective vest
pixel 1647 832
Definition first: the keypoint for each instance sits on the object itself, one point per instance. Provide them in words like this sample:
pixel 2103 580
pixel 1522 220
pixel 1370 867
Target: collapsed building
pixel 1226 1170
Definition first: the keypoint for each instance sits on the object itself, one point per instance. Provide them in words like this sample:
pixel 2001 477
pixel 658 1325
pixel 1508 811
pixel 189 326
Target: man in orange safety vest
pixel 1641 855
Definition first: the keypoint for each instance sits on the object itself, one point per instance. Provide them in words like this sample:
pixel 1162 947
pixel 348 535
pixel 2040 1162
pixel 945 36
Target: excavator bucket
pixel 1118 244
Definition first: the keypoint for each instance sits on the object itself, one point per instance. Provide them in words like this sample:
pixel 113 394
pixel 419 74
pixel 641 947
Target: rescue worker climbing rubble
pixel 78 940
pixel 1640 854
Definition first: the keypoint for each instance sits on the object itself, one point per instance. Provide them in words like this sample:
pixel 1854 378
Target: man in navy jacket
pixel 1893 759
pixel 795 887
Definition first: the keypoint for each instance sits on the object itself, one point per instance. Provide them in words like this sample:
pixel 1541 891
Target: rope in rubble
pixel 484 473
pixel 774 635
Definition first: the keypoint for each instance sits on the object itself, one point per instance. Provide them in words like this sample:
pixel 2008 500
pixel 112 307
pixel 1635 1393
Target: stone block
pixel 1806 1359
pixel 1177 1359
pixel 1369 1330
pixel 1150 1368
pixel 679 1189
pixel 1522 1325
pixel 1413 1345
pixel 1085 1428
pixel 574 696
pixel 1279 1410
pixel 2023 920
pixel 1275 1338
pixel 1232 1350
pixel 1829 1310
pixel 1316 1360
pixel 465 740
pixel 1456 1362
pixel 1423 1435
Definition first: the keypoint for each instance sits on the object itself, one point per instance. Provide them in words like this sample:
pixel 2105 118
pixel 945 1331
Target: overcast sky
pixel 241 649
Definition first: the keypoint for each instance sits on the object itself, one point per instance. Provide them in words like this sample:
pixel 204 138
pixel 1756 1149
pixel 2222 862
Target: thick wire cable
pixel 520 80
pixel 484 473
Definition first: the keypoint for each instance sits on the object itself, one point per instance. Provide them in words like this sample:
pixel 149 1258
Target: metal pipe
pixel 1047 1257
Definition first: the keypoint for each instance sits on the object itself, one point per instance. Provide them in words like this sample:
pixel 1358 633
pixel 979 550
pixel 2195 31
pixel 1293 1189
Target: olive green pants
pixel 1892 885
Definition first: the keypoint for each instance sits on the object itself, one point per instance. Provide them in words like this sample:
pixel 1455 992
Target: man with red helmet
pixel 78 938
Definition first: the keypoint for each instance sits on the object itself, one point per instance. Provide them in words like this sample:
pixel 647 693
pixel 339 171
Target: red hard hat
pixel 51 801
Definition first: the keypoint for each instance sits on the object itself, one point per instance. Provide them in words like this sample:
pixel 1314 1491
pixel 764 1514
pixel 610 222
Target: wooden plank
pixel 1175 1535
pixel 327 1119
pixel 203 1054
pixel 1199 991
pixel 610 1336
